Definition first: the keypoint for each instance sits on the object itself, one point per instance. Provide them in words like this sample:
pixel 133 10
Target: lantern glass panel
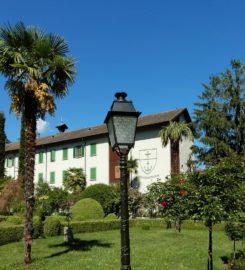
pixel 111 131
pixel 125 127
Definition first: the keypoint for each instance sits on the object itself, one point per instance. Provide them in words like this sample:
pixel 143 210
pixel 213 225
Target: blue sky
pixel 159 52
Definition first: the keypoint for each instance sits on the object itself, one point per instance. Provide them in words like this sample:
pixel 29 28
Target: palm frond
pixel 175 131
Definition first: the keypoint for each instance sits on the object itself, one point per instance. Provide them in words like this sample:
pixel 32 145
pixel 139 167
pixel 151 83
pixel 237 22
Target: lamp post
pixel 121 123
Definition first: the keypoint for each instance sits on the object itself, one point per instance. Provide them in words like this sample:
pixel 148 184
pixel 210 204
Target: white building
pixel 88 148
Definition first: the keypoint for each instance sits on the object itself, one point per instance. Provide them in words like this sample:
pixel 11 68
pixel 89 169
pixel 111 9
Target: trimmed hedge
pixel 111 216
pixel 93 225
pixel 15 220
pixel 11 233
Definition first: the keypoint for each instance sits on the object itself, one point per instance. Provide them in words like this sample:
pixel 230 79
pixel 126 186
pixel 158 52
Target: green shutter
pixel 65 153
pixel 40 157
pixel 40 178
pixel 52 155
pixel 52 178
pixel 93 174
pixel 93 149
pixel 74 152
pixel 82 150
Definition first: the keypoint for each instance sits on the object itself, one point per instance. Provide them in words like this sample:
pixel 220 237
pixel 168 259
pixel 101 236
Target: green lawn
pixel 154 249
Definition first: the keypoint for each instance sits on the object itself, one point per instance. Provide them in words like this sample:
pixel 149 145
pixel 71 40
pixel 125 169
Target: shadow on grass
pixel 78 245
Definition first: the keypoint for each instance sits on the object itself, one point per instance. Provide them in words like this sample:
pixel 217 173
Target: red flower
pixel 182 192
pixel 164 203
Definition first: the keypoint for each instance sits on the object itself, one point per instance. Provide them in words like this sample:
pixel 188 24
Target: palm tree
pixel 175 132
pixel 37 69
pixel 132 167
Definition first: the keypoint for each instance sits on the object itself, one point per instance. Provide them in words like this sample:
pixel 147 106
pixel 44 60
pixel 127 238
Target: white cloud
pixel 42 126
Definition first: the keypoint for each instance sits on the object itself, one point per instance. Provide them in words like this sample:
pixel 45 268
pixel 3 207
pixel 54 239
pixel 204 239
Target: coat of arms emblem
pixel 148 160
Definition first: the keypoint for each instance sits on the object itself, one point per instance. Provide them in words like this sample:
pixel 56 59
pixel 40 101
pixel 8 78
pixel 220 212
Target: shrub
pixel 86 209
pixel 15 220
pixel 3 218
pixel 37 227
pixel 106 195
pixel 52 226
pixel 10 233
pixel 111 216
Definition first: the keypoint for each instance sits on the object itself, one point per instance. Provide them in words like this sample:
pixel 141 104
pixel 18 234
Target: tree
pixel 37 69
pixel 176 199
pixel 175 132
pixel 220 115
pixel 74 180
pixel 2 144
pixel 217 194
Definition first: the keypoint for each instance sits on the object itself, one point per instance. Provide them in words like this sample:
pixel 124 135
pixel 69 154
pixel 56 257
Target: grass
pixel 154 249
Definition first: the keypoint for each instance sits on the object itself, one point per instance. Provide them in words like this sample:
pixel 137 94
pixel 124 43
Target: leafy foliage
pixel 87 209
pixel 107 196
pixel 135 202
pixel 220 116
pixel 50 200
pixel 176 199
pixel 74 180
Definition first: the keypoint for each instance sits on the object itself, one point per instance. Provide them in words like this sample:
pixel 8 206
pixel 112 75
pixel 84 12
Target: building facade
pixel 89 149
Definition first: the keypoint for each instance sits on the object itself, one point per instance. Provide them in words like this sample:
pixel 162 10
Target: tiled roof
pixel 144 121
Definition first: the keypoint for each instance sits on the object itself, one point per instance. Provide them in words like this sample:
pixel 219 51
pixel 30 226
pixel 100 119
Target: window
pixel 78 151
pixel 40 178
pixel 10 162
pixel 65 153
pixel 52 155
pixel 40 157
pixel 92 174
pixel 52 178
pixel 93 149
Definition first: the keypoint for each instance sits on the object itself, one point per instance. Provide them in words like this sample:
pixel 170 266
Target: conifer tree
pixel 2 144
pixel 220 115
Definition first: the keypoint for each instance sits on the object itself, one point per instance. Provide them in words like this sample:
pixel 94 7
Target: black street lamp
pixel 121 123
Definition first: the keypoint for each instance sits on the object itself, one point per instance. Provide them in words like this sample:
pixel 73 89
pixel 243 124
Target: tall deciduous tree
pixel 220 115
pixel 37 69
pixel 175 132
pixel 217 194
pixel 2 144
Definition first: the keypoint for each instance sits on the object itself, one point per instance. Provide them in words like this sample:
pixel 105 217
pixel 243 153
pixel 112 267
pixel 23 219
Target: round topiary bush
pixel 111 216
pixel 52 226
pixel 87 209
pixel 105 195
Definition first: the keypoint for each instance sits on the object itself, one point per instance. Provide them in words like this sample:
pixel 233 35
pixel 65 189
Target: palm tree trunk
pixel 175 160
pixel 30 143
